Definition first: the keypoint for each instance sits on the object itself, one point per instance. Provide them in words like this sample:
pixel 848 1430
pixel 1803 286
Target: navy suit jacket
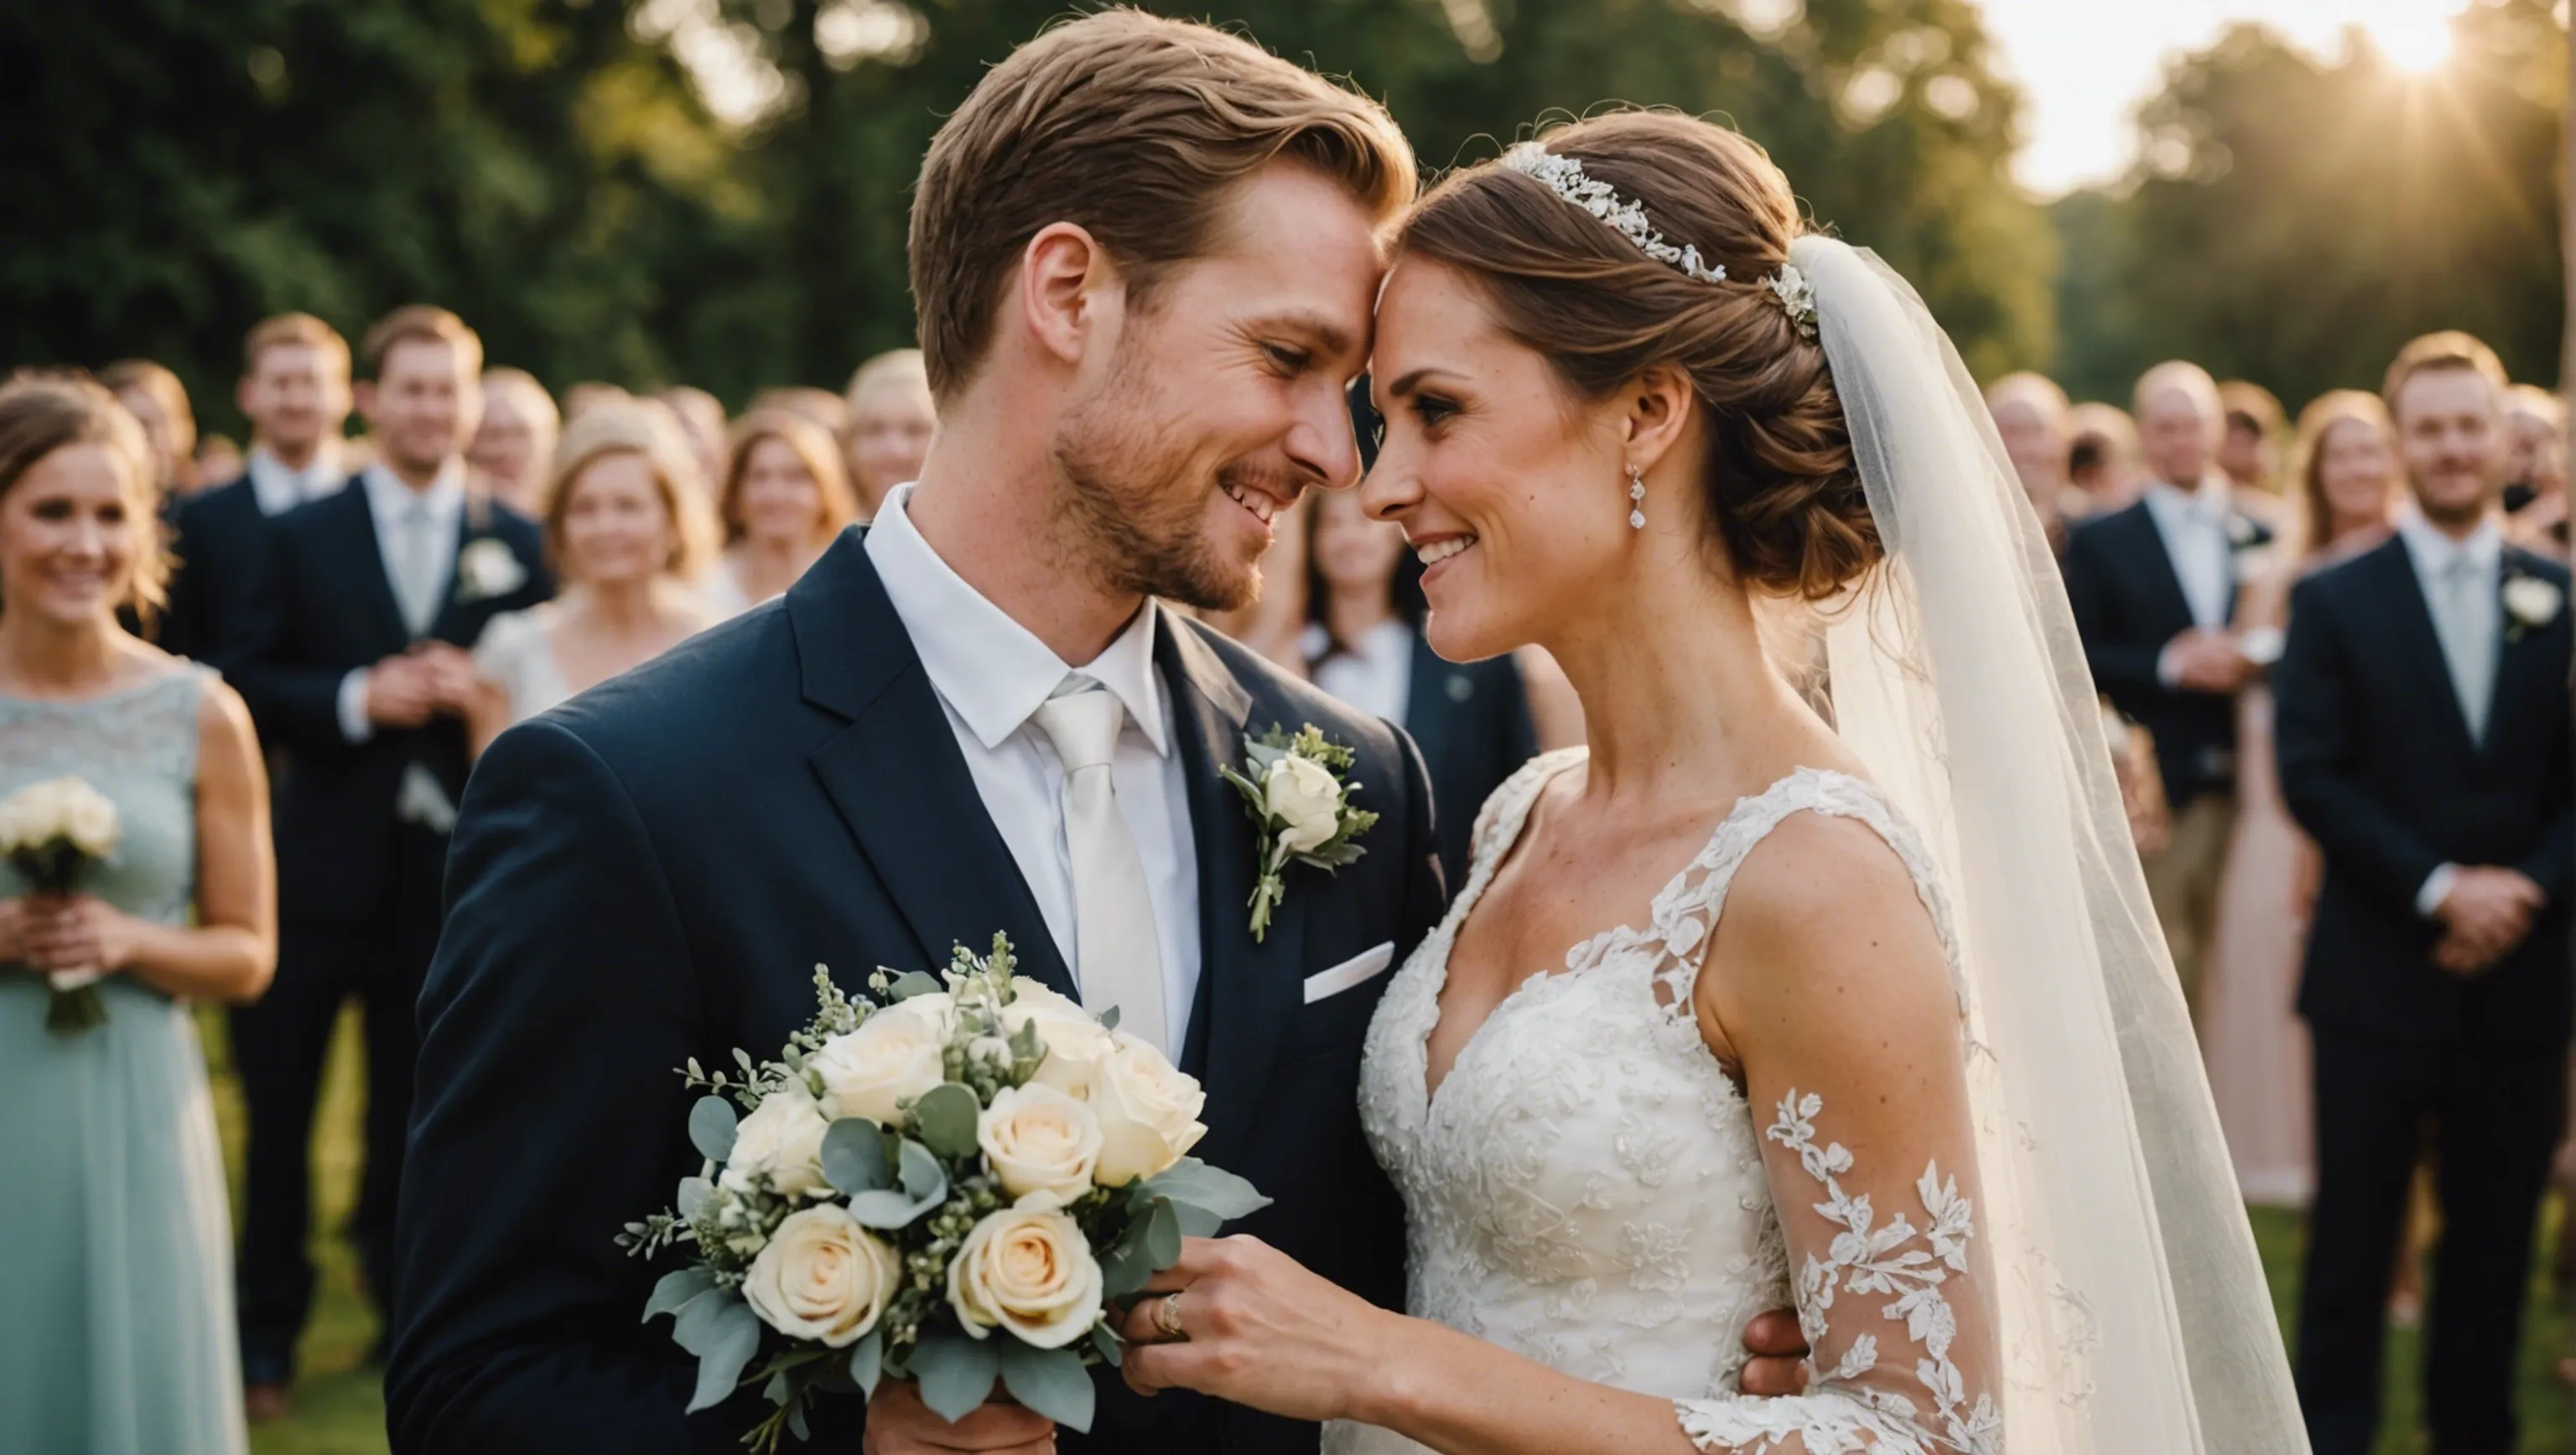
pixel 321 609
pixel 219 554
pixel 652 871
pixel 2128 605
pixel 1472 722
pixel 2378 767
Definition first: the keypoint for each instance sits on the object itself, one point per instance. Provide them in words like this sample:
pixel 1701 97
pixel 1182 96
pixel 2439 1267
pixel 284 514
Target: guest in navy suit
pixel 2154 588
pixel 1364 644
pixel 358 670
pixel 2423 739
pixel 295 389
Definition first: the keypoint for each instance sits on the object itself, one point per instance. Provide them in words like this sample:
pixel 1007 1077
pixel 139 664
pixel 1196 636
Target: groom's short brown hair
pixel 1132 127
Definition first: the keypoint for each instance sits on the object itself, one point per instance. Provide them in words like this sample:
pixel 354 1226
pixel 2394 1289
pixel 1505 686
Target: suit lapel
pixel 2523 659
pixel 1248 992
pixel 473 523
pixel 897 777
pixel 366 556
pixel 2411 628
pixel 2163 582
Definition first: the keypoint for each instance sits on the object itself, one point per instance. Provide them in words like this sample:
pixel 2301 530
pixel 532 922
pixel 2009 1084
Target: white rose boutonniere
pixel 1298 791
pixel 487 568
pixel 2530 603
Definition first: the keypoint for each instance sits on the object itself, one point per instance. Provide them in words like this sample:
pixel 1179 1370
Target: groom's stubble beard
pixel 1128 507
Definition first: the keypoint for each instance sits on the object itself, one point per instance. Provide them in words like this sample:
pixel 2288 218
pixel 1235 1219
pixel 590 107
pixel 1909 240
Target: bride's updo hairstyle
pixel 1783 497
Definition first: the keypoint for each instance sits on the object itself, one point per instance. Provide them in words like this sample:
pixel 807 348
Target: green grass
pixel 339 1407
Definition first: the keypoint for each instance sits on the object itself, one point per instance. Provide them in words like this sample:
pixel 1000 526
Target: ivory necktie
pixel 2467 642
pixel 415 589
pixel 1117 961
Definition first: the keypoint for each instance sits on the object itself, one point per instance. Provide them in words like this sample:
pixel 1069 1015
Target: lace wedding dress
pixel 1587 1187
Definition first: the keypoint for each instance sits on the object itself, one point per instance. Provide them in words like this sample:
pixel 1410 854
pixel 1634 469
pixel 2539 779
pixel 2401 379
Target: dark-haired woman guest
pixel 783 498
pixel 1364 645
pixel 116 1287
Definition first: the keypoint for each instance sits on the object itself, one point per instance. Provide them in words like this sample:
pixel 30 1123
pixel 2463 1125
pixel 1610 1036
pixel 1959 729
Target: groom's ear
pixel 1658 408
pixel 1069 290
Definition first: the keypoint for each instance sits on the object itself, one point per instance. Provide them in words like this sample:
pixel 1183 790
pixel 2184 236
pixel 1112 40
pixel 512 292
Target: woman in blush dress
pixel 2345 485
pixel 783 498
pixel 627 537
pixel 887 432
pixel 116 1277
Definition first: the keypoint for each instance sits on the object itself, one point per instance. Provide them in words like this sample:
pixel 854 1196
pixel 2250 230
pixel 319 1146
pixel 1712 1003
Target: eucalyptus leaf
pixel 944 1118
pixel 911 983
pixel 867 1361
pixel 711 1128
pixel 854 1156
pixel 676 1290
pixel 923 1177
pixel 925 1186
pixel 695 1329
pixel 1162 1236
pixel 796 1421
pixel 956 1373
pixel 1193 1183
pixel 1050 1381
pixel 1113 1350
pixel 694 1192
pixel 775 1391
pixel 735 1339
pixel 1109 1019
pixel 1196 1221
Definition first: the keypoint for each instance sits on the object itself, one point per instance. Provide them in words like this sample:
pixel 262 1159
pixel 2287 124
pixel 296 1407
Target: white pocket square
pixel 1356 971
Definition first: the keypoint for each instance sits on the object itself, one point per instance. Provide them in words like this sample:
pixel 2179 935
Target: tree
pixel 2294 221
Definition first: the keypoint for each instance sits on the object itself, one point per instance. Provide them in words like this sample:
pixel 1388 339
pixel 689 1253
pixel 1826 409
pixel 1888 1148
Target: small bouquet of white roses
pixel 948 1185
pixel 54 833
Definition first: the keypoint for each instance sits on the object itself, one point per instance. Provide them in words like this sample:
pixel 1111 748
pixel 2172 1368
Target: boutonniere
pixel 1298 791
pixel 2242 533
pixel 2530 603
pixel 487 568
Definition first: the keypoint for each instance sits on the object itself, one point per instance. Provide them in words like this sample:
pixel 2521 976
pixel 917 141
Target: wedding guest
pixel 2154 588
pixel 1363 643
pixel 295 390
pixel 159 402
pixel 359 672
pixel 2345 488
pixel 628 535
pixel 702 419
pixel 2424 743
pixel 590 394
pixel 2034 420
pixel 517 437
pixel 2104 461
pixel 116 1303
pixel 820 406
pixel 890 422
pixel 2535 491
pixel 784 498
pixel 219 457
pixel 2257 427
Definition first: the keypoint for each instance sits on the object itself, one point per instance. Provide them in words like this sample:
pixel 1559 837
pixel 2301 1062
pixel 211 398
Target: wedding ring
pixel 1167 1319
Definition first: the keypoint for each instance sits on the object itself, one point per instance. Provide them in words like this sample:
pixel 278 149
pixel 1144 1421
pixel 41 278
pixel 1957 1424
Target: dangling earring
pixel 1636 498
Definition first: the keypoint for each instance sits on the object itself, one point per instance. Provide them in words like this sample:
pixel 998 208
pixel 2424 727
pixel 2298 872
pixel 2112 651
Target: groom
pixel 1144 255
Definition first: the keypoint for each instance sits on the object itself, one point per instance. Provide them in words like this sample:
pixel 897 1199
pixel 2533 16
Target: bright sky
pixel 2086 64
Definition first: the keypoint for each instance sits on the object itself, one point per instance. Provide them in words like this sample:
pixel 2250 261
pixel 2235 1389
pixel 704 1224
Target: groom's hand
pixel 1779 1363
pixel 900 1424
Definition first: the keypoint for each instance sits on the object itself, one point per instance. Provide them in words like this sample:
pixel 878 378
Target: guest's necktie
pixel 1117 960
pixel 415 570
pixel 2470 648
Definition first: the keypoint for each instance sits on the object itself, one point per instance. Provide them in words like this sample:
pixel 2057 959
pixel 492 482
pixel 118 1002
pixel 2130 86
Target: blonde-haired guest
pixel 2250 453
pixel 516 442
pixel 2344 486
pixel 887 432
pixel 628 535
pixel 784 497
pixel 2035 421
pixel 2535 489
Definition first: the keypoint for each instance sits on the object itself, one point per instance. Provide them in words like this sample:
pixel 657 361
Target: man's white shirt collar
pixel 2211 502
pixel 389 497
pixel 280 488
pixel 991 670
pixel 2433 552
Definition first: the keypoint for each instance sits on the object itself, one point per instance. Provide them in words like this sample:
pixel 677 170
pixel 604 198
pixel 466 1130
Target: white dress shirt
pixel 279 489
pixel 388 498
pixel 1375 676
pixel 2194 527
pixel 990 674
pixel 2436 557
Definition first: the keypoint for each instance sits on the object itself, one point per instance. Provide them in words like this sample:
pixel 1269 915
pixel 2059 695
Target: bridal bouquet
pixel 53 834
pixel 948 1184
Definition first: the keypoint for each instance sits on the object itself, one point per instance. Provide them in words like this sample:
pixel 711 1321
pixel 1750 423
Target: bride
pixel 1895 1039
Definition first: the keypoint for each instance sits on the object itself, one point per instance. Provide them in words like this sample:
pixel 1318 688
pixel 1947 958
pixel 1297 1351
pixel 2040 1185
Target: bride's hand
pixel 1261 1331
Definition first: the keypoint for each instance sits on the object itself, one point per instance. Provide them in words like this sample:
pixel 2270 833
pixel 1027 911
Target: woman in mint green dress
pixel 116 1309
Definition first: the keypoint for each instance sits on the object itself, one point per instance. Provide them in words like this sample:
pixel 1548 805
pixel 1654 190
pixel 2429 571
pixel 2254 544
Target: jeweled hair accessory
pixel 1566 178
pixel 1797 295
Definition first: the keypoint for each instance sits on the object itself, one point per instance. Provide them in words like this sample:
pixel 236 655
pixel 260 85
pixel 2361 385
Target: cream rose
pixel 783 1137
pixel 1077 1045
pixel 1029 1271
pixel 1148 1111
pixel 2532 601
pixel 1041 1143
pixel 896 1053
pixel 1306 800
pixel 822 1277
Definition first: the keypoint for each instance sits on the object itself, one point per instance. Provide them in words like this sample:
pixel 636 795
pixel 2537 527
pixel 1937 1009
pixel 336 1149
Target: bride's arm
pixel 1835 971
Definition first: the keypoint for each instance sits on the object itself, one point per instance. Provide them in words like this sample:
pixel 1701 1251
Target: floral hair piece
pixel 1797 295
pixel 1566 178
